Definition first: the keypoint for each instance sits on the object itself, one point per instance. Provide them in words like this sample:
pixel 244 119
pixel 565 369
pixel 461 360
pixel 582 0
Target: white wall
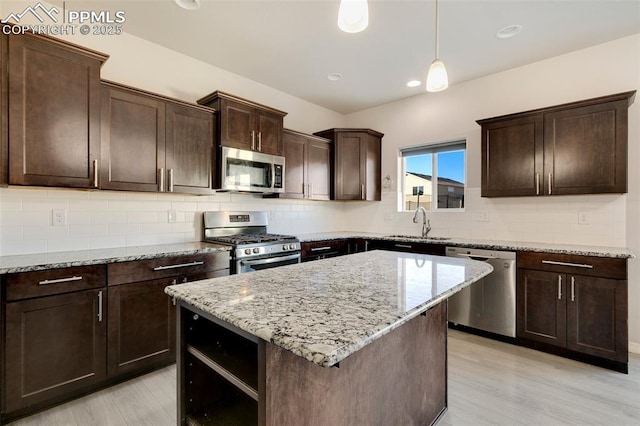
pixel 452 114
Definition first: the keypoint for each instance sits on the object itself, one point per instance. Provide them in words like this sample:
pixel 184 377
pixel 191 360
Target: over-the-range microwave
pixel 251 171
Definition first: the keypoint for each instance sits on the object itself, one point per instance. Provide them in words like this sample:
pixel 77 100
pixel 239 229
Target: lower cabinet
pixel 574 303
pixel 323 249
pixel 411 247
pixel 55 345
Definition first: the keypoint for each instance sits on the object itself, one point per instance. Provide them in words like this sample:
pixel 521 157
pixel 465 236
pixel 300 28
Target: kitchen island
pixel 359 339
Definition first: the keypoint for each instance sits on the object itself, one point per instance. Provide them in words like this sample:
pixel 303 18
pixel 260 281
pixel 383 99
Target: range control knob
pixel 292 246
pixel 256 250
pixel 284 247
pixel 247 251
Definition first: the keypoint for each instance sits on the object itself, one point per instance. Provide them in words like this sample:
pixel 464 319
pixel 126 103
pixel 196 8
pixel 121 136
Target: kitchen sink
pixel 418 237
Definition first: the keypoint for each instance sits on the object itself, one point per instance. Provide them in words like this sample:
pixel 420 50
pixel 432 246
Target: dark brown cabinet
pixel 53 112
pixel 308 166
pixel 577 303
pixel 4 111
pixel 151 143
pixel 316 250
pixel 357 163
pixel 575 148
pixel 247 125
pixel 141 316
pixel 55 342
pixel 410 247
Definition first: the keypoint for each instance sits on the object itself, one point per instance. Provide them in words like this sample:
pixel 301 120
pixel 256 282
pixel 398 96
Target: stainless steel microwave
pixel 251 171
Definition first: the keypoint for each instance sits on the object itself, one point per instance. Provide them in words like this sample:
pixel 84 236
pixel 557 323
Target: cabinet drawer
pixel 55 281
pixel 573 264
pixel 142 270
pixel 321 248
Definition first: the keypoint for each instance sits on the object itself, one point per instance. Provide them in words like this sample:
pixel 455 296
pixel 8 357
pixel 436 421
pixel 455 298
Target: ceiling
pixel 293 45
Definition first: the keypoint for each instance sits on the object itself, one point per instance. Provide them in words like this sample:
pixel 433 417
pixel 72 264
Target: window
pixel 434 176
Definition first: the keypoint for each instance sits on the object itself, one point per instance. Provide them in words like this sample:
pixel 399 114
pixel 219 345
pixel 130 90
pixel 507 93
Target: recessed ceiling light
pixel 414 83
pixel 509 31
pixel 188 4
pixel 334 76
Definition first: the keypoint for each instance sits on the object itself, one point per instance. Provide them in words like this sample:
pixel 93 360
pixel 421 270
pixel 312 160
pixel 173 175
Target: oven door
pixel 251 171
pixel 250 265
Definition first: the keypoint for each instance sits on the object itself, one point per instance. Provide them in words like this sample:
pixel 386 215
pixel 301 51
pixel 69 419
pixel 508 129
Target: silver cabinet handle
pixel 362 192
pixel 60 280
pixel 577 265
pixel 170 180
pixel 550 176
pixel 253 140
pixel 179 265
pixel 260 141
pixel 100 306
pixel 573 289
pixel 95 173
pixel 161 184
pixel 537 183
pixel 559 287
pixel 321 248
pixel 403 245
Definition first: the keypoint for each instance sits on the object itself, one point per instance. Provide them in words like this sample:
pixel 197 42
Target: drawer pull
pixel 321 248
pixel 403 246
pixel 100 306
pixel 576 265
pixel 180 265
pixel 60 280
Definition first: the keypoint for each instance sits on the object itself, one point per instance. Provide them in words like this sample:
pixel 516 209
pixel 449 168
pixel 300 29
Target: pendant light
pixel 353 15
pixel 437 79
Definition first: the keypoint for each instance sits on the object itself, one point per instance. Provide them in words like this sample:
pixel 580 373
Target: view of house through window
pixel 434 176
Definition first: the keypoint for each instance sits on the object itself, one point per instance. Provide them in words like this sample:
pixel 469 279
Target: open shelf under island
pixel 359 339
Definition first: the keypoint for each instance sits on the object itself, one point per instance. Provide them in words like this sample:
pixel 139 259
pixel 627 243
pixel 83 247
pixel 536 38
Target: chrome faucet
pixel 426 224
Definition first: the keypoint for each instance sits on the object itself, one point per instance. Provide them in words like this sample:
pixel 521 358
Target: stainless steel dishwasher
pixel 488 304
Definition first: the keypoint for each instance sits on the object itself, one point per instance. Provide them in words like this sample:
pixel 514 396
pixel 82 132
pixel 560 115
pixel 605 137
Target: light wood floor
pixel 490 383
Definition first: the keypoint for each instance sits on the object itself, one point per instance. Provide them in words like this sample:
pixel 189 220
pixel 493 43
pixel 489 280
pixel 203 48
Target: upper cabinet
pixel 53 112
pixel 308 166
pixel 576 148
pixel 152 143
pixel 357 163
pixel 245 124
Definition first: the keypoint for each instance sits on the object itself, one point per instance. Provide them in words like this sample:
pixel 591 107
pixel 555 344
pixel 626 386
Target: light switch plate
pixel 58 217
pixel 584 218
pixel 172 216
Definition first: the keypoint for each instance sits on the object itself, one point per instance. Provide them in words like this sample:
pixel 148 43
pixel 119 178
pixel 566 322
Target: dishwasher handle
pixel 475 257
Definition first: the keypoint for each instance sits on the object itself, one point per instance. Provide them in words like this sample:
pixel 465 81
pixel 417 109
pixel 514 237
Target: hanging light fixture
pixel 437 79
pixel 353 15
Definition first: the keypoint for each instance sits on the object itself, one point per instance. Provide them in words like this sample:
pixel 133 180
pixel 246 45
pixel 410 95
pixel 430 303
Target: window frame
pixel 433 149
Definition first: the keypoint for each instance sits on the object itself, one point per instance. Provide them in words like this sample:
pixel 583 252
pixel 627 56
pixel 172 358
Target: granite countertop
pixel 582 250
pixel 326 310
pixel 42 261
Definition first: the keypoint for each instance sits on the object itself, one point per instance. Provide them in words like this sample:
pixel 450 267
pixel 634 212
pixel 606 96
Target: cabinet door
pixel 236 125
pixel 349 171
pixel 541 311
pixel 189 149
pixel 141 326
pixel 269 138
pixel 597 317
pixel 371 164
pixel 133 141
pixel 294 154
pixel 512 157
pixel 54 114
pixel 54 345
pixel 585 149
pixel 319 169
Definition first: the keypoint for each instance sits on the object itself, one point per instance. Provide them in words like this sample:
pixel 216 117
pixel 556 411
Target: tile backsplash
pixel 105 219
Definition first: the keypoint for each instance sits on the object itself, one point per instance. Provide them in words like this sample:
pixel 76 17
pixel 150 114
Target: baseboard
pixel 634 348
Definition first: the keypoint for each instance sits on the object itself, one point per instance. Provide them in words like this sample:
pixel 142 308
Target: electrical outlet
pixel 171 216
pixel 58 217
pixel 482 216
pixel 388 215
pixel 584 218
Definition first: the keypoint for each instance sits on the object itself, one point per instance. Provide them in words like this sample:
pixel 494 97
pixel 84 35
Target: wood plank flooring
pixel 490 383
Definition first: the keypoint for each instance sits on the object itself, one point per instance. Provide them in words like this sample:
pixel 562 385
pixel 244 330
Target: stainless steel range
pixel 253 248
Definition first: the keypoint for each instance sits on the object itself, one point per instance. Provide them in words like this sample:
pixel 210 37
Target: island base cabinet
pixel 400 378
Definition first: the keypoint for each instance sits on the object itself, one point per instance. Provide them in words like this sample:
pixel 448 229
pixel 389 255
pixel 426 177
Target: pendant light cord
pixel 437 30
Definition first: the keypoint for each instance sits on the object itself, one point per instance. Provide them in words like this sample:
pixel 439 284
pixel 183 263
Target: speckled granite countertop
pixel 326 310
pixel 583 250
pixel 41 261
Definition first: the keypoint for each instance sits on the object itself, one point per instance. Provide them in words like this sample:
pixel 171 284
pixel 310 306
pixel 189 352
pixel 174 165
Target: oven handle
pixel 270 260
